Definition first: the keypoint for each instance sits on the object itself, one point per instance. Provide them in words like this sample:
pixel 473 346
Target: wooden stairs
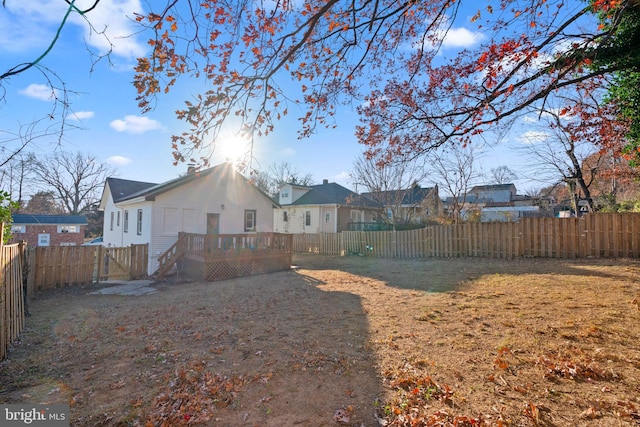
pixel 168 259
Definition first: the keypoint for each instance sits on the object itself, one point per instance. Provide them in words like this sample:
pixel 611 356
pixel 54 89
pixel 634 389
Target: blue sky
pixel 112 127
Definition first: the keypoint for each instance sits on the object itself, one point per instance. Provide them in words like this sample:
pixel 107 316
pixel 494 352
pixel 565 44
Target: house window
pixel 139 228
pixel 126 221
pixel 18 228
pixel 111 221
pixel 118 219
pixel 284 194
pixel 356 216
pixel 249 220
pixel 285 216
pixel 307 218
pixel 68 229
pixel 327 217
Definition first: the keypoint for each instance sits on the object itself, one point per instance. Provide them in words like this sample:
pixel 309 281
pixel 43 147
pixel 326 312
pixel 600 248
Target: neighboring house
pixel 414 205
pixel 497 193
pixel 324 208
pixel 215 200
pixel 499 202
pixel 48 230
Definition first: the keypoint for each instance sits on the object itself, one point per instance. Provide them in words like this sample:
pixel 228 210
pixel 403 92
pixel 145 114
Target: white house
pixel 215 200
pixel 324 208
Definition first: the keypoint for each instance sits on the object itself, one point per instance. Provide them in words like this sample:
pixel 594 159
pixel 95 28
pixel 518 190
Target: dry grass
pixel 346 340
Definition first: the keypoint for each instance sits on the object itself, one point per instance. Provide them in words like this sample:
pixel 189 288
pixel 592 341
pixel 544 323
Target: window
pixel 307 218
pixel 284 194
pixel 285 216
pixel 111 221
pixel 139 228
pixel 126 221
pixel 68 229
pixel 18 228
pixel 327 217
pixel 118 220
pixel 249 220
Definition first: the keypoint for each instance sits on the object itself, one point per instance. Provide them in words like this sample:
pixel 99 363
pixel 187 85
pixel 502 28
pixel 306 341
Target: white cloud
pixel 461 38
pixel 135 124
pixel 32 24
pixel 41 92
pixel 81 115
pixel 532 137
pixel 119 160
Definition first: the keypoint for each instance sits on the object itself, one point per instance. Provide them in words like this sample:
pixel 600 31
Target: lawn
pixel 345 341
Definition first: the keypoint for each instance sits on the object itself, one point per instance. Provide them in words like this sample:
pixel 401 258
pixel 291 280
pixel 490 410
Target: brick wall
pixel 55 238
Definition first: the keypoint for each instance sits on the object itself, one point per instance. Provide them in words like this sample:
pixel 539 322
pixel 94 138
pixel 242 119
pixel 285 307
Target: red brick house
pixel 48 230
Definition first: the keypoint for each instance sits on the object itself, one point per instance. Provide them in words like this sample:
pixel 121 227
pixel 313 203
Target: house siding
pixel 188 208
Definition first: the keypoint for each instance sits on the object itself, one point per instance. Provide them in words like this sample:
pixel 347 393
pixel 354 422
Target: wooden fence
pixel 122 263
pixel 606 235
pixel 324 243
pixel 12 300
pixel 60 266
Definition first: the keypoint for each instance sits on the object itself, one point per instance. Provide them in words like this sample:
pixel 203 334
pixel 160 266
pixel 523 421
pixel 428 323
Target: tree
pixel 74 178
pixel 276 175
pixel 43 203
pixel 624 90
pixel 454 171
pixel 388 183
pixel 502 175
pixel 14 174
pixel 560 155
pixel 259 58
pixel 7 207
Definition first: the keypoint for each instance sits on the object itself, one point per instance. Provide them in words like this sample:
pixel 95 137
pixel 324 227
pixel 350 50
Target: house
pixel 48 230
pixel 215 200
pixel 496 193
pixel 324 208
pixel 499 203
pixel 415 205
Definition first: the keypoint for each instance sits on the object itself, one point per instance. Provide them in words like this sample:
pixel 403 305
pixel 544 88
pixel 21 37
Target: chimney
pixel 325 181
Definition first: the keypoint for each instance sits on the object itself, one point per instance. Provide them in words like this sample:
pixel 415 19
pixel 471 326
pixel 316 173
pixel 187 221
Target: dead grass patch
pixel 346 341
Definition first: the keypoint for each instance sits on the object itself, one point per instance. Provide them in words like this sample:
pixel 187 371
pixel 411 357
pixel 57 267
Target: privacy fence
pixel 11 294
pixel 59 266
pixel 606 235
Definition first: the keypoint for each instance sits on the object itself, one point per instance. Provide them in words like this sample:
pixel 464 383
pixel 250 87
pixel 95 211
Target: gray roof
pixel 332 193
pixel 408 197
pixel 48 219
pixel 121 189
pixel 492 187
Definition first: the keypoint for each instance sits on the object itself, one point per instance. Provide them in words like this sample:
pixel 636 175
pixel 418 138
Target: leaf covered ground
pixel 345 341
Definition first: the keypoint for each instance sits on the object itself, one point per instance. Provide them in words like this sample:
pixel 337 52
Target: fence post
pixel 99 262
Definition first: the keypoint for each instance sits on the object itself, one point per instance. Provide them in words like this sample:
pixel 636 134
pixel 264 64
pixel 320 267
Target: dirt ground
pixel 345 341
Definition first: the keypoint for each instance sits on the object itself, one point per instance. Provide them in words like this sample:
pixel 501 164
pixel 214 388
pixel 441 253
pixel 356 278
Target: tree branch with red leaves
pixel 260 58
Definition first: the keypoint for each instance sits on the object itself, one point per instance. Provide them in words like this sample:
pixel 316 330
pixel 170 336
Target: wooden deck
pixel 226 256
